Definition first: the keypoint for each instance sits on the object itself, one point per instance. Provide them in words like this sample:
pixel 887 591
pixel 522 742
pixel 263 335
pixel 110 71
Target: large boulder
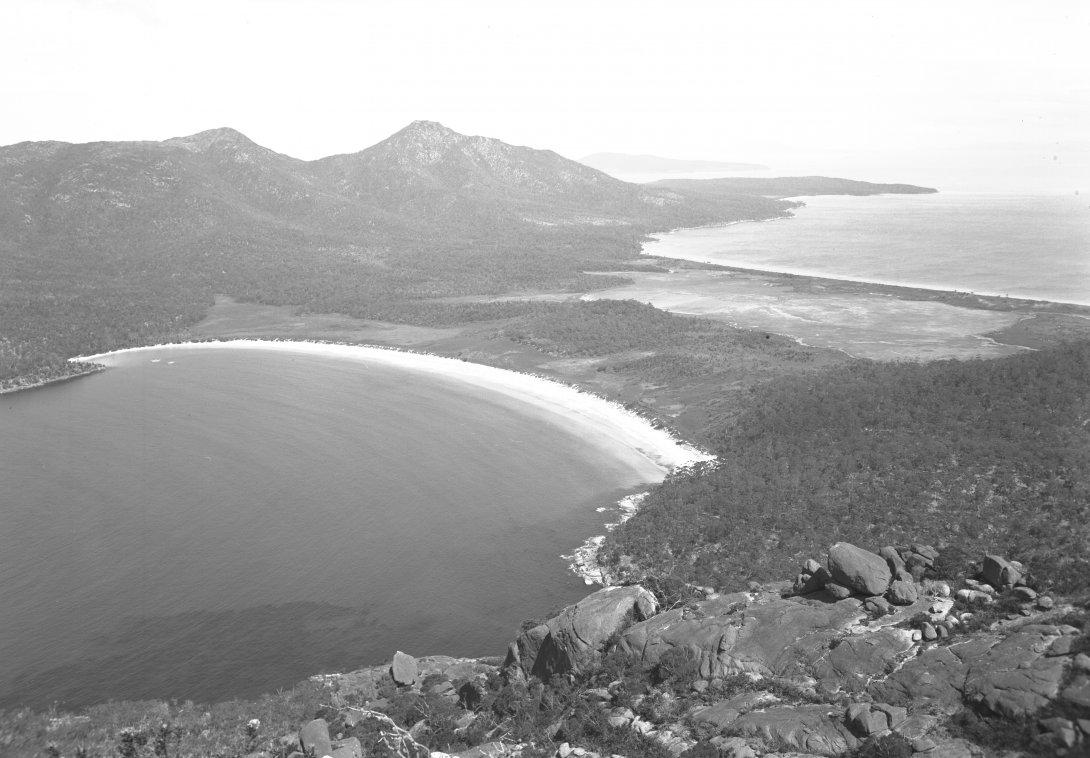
pixel 403 669
pixel 999 572
pixel 579 632
pixel 314 738
pixel 860 570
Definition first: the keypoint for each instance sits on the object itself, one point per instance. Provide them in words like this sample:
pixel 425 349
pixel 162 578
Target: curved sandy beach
pixel 611 427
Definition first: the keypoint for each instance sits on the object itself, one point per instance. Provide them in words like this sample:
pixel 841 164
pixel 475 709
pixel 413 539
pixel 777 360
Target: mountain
pixel 113 243
pixel 787 186
pixel 623 163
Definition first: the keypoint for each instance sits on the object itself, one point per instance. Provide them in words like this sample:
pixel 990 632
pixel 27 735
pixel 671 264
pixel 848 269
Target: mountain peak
pixel 221 137
pixel 429 128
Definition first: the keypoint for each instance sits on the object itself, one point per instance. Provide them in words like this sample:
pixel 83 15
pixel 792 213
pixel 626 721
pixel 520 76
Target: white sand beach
pixel 607 425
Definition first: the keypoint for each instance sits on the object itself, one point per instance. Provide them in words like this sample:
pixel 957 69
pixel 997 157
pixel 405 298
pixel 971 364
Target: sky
pixel 967 96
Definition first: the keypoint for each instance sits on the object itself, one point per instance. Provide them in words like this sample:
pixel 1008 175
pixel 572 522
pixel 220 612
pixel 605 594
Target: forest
pixel 110 245
pixel 983 455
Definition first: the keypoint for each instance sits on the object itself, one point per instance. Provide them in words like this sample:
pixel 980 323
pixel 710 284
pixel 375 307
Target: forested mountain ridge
pixel 109 244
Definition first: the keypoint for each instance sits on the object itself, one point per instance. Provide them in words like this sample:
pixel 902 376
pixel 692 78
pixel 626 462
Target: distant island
pixel 624 163
pixel 788 186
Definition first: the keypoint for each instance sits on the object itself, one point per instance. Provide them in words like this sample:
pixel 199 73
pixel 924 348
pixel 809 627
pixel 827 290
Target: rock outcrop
pixel 868 653
pixel 573 638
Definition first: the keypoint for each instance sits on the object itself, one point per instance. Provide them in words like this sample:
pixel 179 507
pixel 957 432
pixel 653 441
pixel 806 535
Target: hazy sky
pixel 965 95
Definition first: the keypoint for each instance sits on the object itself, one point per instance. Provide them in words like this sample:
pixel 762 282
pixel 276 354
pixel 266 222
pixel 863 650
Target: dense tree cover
pixel 984 455
pixel 115 244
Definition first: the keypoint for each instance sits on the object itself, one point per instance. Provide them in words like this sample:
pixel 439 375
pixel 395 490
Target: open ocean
pixel 1034 246
pixel 205 524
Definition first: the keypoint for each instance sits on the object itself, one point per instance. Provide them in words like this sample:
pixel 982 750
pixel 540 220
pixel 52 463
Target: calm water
pixel 220 523
pixel 1034 247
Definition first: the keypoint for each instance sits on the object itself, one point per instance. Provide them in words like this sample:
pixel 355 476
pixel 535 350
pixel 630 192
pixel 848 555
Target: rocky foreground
pixel 869 654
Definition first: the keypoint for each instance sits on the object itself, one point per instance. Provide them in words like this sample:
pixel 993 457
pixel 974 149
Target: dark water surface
pixel 205 524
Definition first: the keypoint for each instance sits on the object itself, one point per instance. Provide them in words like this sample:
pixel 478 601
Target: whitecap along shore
pixel 652 452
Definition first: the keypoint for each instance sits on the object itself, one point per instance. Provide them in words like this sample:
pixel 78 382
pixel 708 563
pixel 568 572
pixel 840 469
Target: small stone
pixel 1084 726
pixel 1026 610
pixel 927 551
pixel 917 635
pixel 754 587
pixel 1024 593
pixel 805 584
pixel 839 591
pixel 1082 662
pixel 403 669
pixel 1068 629
pixel 564 750
pixel 877 606
pixel 893 560
pixel 811 566
pixel 857 718
pixel 942 631
pixel 1062 731
pixel 902 593
pixel 1045 603
pixel 923 744
pixel 928 632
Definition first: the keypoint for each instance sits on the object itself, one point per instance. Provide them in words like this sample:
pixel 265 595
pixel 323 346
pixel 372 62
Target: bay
pixel 215 523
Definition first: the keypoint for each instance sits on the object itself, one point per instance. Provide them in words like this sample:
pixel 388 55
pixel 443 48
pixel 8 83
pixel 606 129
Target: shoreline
pixel 987 300
pixel 564 400
pixel 52 380
pixel 614 424
pixel 955 297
